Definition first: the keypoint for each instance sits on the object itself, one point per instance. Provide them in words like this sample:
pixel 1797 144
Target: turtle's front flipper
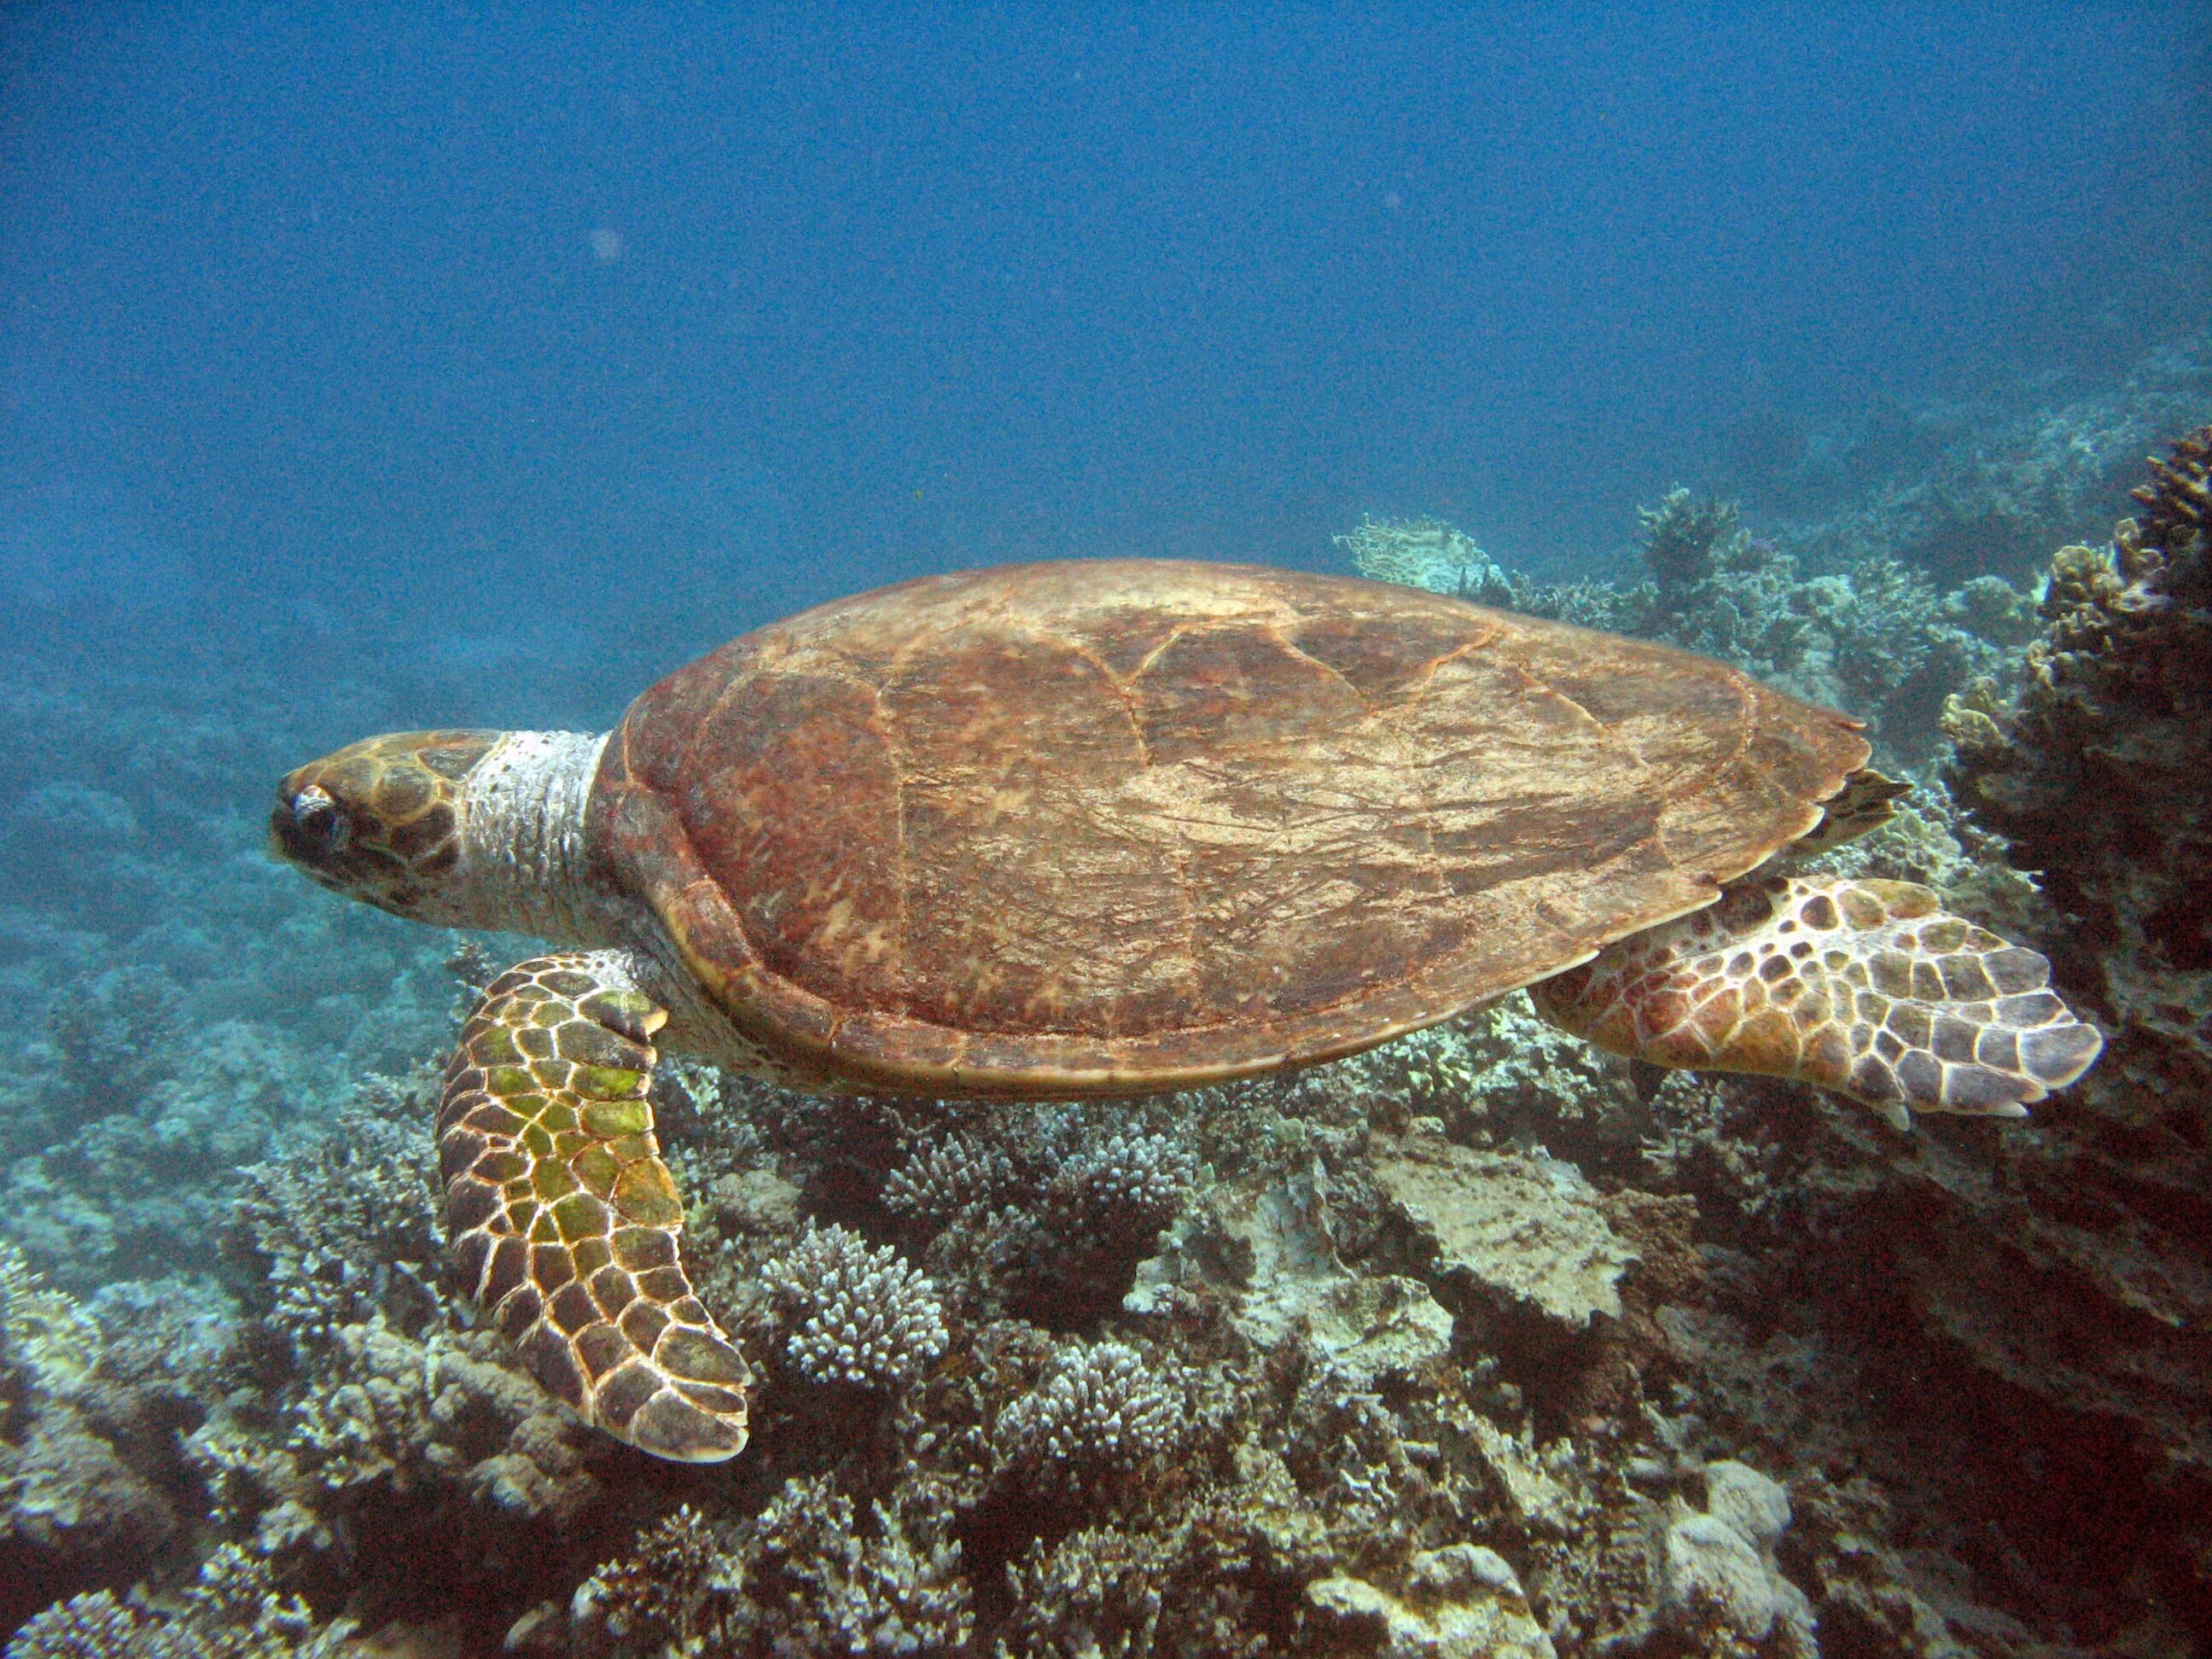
pixel 1866 987
pixel 561 1219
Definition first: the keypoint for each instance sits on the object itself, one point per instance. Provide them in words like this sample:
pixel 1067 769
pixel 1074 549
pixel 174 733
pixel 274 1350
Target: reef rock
pixel 1273 1245
pixel 1462 1601
pixel 1716 1568
pixel 81 1481
pixel 1523 1229
pixel 2076 1275
pixel 2099 772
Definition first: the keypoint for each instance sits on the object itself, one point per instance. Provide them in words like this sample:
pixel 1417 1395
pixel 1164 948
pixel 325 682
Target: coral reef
pixel 676 1589
pixel 1043 1212
pixel 2097 770
pixel 88 1471
pixel 1877 639
pixel 1339 1405
pixel 1099 1417
pixel 1986 486
pixel 1478 1343
pixel 155 958
pixel 232 1610
pixel 828 1585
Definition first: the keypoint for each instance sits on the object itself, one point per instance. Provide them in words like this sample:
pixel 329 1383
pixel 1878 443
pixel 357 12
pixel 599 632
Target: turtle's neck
pixel 524 856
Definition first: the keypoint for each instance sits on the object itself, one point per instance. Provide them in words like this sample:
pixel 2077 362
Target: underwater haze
pixel 446 315
pixel 374 368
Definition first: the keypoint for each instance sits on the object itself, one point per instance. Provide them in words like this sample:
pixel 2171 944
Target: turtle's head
pixel 457 829
pixel 383 821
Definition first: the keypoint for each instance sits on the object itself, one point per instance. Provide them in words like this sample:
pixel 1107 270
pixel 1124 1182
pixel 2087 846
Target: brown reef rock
pixel 2093 1243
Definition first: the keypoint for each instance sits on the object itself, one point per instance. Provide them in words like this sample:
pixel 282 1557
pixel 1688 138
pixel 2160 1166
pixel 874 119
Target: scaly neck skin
pixel 525 865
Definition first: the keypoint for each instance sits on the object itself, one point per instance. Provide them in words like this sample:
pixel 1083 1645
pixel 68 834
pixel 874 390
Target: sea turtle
pixel 1067 831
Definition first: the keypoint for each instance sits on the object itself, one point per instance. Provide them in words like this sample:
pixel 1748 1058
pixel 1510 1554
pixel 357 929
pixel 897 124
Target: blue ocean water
pixel 469 368
pixel 365 368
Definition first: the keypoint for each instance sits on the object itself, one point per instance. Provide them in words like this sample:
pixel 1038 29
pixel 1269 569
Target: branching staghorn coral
pixel 1096 1591
pixel 941 1178
pixel 1117 1182
pixel 820 1584
pixel 1099 1417
pixel 46 1341
pixel 674 1593
pixel 346 1230
pixel 1687 542
pixel 1046 1211
pixel 370 1393
pixel 232 1611
pixel 864 1314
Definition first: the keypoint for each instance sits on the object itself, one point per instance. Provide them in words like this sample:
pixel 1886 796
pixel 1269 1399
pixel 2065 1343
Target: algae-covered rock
pixel 1717 1569
pixel 1538 1499
pixel 1524 1228
pixel 1364 1328
pixel 1277 1250
pixel 1711 1573
pixel 1462 1601
pixel 1749 1502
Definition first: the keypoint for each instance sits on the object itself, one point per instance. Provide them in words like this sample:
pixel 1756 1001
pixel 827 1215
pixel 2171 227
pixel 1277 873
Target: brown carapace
pixel 1061 830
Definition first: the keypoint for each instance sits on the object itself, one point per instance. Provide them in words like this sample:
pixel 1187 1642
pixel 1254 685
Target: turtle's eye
pixel 320 819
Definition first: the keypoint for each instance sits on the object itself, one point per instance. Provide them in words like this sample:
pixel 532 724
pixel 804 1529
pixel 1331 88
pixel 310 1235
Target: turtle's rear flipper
pixel 1866 987
pixel 561 1219
pixel 1866 802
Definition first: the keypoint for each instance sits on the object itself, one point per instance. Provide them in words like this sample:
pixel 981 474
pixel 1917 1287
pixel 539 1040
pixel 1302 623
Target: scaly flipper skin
pixel 1866 987
pixel 561 1219
pixel 1866 802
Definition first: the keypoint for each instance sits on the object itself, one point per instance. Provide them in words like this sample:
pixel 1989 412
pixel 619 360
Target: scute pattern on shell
pixel 1066 831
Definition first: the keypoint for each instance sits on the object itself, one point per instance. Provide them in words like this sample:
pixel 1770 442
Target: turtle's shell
pixel 1051 830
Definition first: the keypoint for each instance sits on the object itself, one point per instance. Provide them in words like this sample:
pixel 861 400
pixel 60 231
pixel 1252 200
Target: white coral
pixel 1125 1182
pixel 1099 1413
pixel 937 1181
pixel 866 1316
